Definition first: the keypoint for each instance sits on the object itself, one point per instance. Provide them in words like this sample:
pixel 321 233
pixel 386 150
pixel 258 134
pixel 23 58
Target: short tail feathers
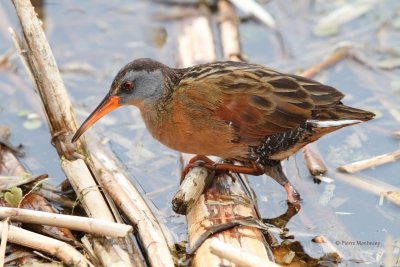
pixel 332 125
pixel 342 112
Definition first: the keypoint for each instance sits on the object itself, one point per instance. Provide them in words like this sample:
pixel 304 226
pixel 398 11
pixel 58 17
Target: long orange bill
pixel 108 104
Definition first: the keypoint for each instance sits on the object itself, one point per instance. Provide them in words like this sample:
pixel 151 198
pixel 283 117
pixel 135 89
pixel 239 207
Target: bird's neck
pixel 156 112
pixel 154 116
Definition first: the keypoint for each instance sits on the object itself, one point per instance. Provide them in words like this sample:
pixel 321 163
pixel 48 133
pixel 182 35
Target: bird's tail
pixel 343 112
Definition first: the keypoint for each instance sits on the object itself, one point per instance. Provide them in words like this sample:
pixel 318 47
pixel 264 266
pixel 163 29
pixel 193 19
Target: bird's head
pixel 139 82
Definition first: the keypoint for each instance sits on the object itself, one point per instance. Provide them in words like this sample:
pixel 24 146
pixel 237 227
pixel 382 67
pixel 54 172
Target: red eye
pixel 127 86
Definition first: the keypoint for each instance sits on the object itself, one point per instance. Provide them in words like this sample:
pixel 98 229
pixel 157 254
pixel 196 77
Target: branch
pixel 58 249
pixel 238 257
pixel 369 163
pixel 58 109
pixel 78 223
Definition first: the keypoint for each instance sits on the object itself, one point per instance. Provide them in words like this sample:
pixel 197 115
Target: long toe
pixel 293 196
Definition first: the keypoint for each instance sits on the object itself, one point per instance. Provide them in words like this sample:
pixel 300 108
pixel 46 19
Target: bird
pixel 238 111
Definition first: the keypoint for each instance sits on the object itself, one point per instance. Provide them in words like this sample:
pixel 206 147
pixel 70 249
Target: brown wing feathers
pixel 259 102
pixel 256 106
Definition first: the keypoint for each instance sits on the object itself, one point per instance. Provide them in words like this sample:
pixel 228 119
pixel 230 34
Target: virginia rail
pixel 234 110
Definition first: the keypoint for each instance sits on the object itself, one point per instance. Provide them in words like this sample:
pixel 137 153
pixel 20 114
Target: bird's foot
pixel 293 197
pixel 196 161
pixel 205 162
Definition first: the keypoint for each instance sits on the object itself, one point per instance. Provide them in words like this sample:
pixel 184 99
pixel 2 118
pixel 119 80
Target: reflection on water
pixel 91 40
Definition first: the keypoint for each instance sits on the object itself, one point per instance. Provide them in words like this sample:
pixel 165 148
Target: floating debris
pixel 32 121
pixel 326 30
pixel 390 63
pixel 24 112
pixel 325 179
pixel 14 196
pixel 330 23
pixel 32 124
pixel 77 68
pixel 253 8
pixel 33 116
pixel 288 258
pixel 319 239
pixel 314 162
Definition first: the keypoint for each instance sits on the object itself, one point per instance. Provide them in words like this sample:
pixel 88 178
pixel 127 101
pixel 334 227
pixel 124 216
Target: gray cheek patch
pixel 148 85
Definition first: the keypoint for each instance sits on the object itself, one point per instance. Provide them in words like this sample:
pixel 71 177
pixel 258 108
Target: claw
pixel 203 161
pixel 293 197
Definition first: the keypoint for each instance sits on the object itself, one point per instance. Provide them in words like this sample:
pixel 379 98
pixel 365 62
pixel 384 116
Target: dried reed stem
pixel 56 248
pixel 335 57
pixel 132 204
pixel 84 224
pixel 237 256
pixel 370 163
pixel 58 111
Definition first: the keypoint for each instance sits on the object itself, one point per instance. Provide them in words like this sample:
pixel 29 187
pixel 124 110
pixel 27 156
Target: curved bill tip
pixel 108 104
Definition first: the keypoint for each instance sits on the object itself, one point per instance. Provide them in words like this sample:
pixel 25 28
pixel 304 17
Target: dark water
pixel 91 40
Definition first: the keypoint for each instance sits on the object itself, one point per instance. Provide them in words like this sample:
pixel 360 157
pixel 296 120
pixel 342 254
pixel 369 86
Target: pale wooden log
pixel 48 79
pixel 56 104
pixel 229 31
pixel 56 248
pixel 190 189
pixel 396 134
pixel 129 200
pixel 314 163
pixel 4 238
pixel 58 111
pixel 87 190
pixel 254 8
pixel 238 257
pixel 78 223
pixel 192 185
pixel 225 199
pixel 370 163
pixel 192 50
